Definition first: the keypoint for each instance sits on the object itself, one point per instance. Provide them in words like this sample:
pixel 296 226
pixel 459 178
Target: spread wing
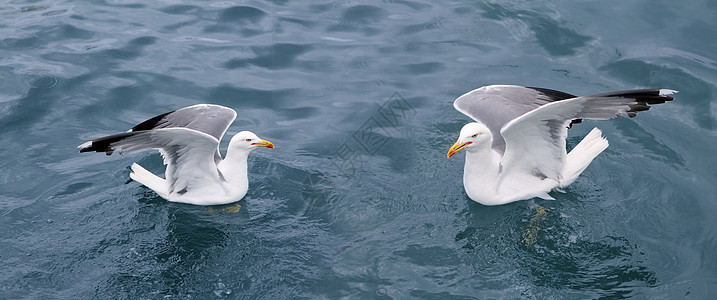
pixel 496 105
pixel 535 141
pixel 188 153
pixel 213 120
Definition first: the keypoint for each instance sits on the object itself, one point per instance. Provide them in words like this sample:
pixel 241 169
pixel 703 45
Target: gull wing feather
pixel 211 119
pixel 496 105
pixel 186 152
pixel 535 141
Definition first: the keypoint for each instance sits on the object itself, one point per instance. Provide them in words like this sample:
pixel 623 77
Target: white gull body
pixel 188 140
pixel 516 148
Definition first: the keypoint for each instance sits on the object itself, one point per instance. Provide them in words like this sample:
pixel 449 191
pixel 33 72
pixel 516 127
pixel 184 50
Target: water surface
pixel 357 200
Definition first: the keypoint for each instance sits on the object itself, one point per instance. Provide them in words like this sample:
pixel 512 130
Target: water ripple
pixel 357 199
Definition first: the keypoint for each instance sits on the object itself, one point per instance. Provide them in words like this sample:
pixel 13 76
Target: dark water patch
pixel 181 9
pixel 495 11
pixel 478 46
pixel 360 18
pixel 162 259
pixel 693 36
pixel 390 49
pixel 321 8
pixel 242 15
pixel 251 32
pixel 142 41
pixel 74 188
pixel 308 193
pixel 304 23
pixel 562 259
pixel 122 5
pixel 27 9
pixel 34 106
pixel 557 40
pixel 121 54
pixel 19 44
pixel 122 98
pixel 174 27
pixel 318 66
pixel 244 30
pixel 149 197
pixel 429 256
pixel 298 113
pixel 166 83
pixel 65 32
pixel 142 89
pixel 608 268
pixel 237 63
pixel 362 15
pixel 415 5
pixel 693 92
pixel 649 144
pixel 418 28
pixel 132 50
pixel 190 237
pixel 361 62
pixel 41 81
pixel 239 97
pixel 318 190
pixel 397 149
pixel 423 68
pixel 54 13
pixel 277 56
pixel 421 294
pixel 279 2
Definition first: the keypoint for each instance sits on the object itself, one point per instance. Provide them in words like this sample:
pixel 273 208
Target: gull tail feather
pixel 154 182
pixel 582 155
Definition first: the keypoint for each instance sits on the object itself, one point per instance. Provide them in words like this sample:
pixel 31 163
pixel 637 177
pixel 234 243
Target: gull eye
pixel 248 140
pixel 474 136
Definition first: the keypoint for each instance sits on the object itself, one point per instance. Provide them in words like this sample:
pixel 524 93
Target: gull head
pixel 472 134
pixel 246 141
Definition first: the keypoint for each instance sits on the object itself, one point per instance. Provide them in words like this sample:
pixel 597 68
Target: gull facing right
pixel 188 140
pixel 515 149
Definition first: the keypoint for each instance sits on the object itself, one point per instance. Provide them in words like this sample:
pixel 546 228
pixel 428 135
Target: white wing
pixel 188 154
pixel 535 141
pixel 207 118
pixel 211 119
pixel 496 105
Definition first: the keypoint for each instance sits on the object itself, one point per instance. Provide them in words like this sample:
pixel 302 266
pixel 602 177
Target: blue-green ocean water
pixel 357 200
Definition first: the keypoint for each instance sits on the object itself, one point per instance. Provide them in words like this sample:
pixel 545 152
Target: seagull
pixel 515 149
pixel 188 140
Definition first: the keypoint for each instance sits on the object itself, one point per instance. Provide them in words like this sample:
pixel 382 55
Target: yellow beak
pixel 457 147
pixel 264 143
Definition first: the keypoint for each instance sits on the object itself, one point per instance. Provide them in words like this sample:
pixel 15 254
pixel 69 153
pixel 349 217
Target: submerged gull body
pixel 516 148
pixel 188 140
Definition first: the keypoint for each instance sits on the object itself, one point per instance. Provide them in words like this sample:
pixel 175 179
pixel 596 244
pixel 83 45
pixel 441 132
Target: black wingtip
pixel 151 123
pixel 553 95
pixel 644 98
pixel 648 96
pixel 98 147
pixel 104 144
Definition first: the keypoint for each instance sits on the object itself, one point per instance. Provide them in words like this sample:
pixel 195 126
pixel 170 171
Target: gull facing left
pixel 188 140
pixel 515 149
